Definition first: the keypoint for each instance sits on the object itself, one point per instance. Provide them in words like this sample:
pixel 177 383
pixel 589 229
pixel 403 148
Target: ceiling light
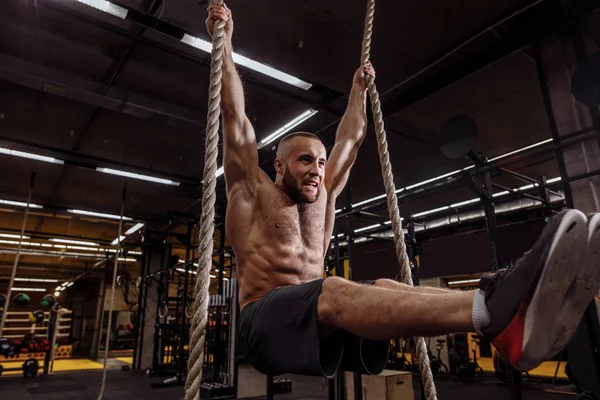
pixel 27 289
pixel 19 204
pixel 69 284
pixel 97 214
pixel 127 259
pixel 366 228
pixel 557 179
pixel 68 241
pixel 58 288
pixel 463 282
pixel 134 229
pixel 30 156
pixel 290 125
pixel 183 270
pixel 11 236
pixel 219 172
pixel 107 7
pixel 206 46
pixel 422 214
pixel 117 240
pixel 464 203
pixel 135 253
pixel 56 294
pixel 521 149
pixel 36 280
pixel 137 176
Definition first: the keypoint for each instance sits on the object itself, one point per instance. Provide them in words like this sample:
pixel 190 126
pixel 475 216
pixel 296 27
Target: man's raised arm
pixel 350 134
pixel 240 156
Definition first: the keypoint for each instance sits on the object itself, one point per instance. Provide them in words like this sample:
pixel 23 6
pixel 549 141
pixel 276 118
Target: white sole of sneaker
pixel 545 322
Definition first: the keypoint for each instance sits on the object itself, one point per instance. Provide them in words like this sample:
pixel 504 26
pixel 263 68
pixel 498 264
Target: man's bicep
pixel 240 155
pixel 339 164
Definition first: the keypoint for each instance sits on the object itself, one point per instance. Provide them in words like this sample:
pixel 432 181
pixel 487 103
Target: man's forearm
pixel 232 90
pixel 354 122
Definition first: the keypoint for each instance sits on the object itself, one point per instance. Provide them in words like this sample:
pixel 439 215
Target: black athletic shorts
pixel 279 334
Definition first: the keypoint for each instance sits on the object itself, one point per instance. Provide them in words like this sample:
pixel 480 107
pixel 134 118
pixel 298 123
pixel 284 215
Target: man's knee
pixel 385 282
pixel 328 305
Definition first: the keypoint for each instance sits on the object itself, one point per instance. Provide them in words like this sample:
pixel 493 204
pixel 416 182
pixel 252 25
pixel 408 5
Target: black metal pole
pixel 221 257
pixel 181 367
pixel 560 159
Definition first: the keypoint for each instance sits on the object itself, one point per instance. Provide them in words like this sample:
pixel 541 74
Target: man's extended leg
pixel 520 309
pixel 381 313
pixel 390 284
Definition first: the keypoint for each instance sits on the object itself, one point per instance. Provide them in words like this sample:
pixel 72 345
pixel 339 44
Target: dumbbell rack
pixel 62 321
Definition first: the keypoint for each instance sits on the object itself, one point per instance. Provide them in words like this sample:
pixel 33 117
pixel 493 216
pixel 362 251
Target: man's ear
pixel 278 166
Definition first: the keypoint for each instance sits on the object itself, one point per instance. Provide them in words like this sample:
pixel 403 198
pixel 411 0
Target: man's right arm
pixel 240 155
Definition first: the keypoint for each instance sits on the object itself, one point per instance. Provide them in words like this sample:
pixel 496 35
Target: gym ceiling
pixel 95 90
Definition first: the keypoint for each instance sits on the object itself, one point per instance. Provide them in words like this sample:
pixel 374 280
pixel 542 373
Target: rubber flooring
pixel 136 386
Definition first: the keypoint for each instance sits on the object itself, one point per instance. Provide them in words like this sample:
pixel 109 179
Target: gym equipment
pixel 585 82
pixel 36 317
pixel 30 368
pixel 436 361
pixel 458 136
pixel 48 301
pixel 21 300
pixel 5 347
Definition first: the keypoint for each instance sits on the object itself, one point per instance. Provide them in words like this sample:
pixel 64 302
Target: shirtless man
pixel 294 321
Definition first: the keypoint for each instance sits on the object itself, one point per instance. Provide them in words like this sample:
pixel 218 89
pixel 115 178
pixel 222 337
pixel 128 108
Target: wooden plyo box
pixel 388 385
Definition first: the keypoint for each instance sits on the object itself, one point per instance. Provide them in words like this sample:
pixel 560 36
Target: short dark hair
pixel 290 136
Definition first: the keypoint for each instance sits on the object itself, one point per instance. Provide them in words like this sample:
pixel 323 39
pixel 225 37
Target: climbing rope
pixel 205 247
pixel 392 200
pixel 17 256
pixel 112 298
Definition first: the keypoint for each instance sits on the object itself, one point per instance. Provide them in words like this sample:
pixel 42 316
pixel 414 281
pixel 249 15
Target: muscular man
pixel 294 321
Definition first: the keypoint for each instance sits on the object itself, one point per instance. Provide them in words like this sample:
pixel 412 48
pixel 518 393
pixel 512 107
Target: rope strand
pixel 112 298
pixel 392 199
pixel 205 247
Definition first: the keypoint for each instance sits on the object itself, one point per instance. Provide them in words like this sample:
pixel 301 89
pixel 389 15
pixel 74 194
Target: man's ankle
pixel 480 313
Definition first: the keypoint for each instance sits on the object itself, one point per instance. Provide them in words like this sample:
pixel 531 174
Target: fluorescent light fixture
pixel 36 280
pixel 135 253
pixel 366 228
pixel 69 284
pixel 464 203
pixel 69 241
pixel 30 156
pixel 117 240
pixel 19 204
pixel 137 176
pixel 11 236
pixel 190 271
pixel 289 126
pixel 28 289
pixel 463 281
pixel 97 214
pixel 107 7
pixel 557 179
pixel 127 259
pixel 58 288
pixel 206 46
pixel 213 276
pixel 543 142
pixel 422 214
pixel 219 172
pixel 56 294
pixel 500 194
pixel 134 229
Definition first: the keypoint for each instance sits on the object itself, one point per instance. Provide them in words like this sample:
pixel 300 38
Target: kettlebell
pixel 20 300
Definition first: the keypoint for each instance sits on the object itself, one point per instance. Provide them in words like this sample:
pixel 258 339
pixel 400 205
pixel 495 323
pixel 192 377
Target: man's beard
pixel 294 189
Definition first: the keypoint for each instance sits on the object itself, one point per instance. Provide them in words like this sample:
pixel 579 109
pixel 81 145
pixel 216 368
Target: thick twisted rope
pixel 205 248
pixel 392 200
pixel 17 256
pixel 112 299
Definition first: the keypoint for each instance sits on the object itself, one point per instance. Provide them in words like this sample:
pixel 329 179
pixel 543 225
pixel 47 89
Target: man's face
pixel 303 169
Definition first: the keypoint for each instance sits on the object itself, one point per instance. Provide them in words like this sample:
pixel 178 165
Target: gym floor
pixel 136 386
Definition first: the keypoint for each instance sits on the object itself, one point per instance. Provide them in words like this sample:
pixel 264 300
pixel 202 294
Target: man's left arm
pixel 350 134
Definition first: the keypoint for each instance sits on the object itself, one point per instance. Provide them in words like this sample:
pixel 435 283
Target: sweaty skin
pixel 280 231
